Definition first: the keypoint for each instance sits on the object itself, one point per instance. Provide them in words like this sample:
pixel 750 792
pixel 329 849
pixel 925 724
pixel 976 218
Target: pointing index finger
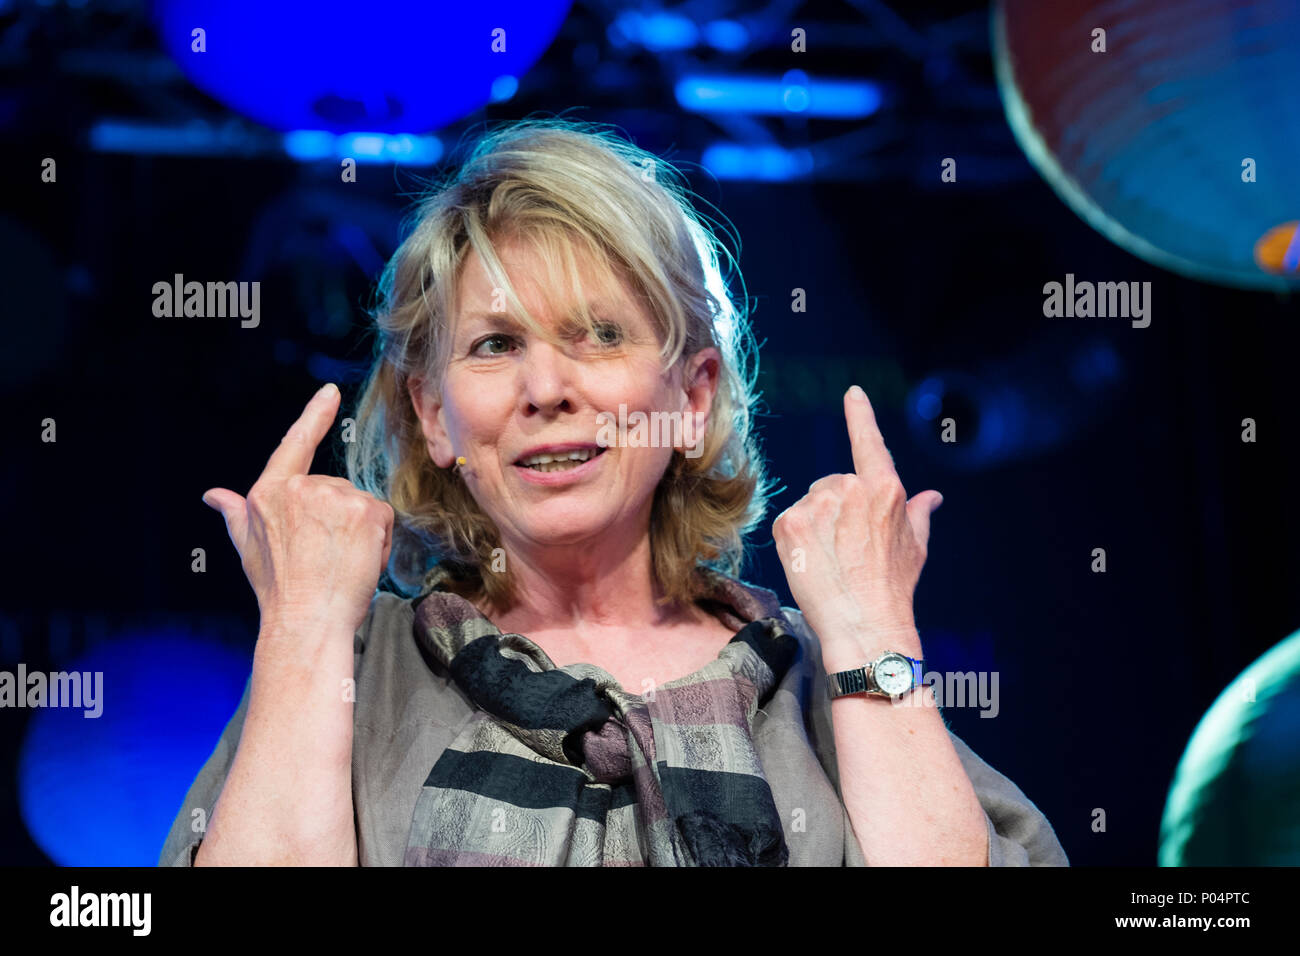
pixel 298 446
pixel 870 456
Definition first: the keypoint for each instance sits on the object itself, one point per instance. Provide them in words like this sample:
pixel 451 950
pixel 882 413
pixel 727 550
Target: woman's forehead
pixel 598 306
pixel 554 280
pixel 606 296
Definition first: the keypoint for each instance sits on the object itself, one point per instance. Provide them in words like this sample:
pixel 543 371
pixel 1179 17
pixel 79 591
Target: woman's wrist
pixel 851 651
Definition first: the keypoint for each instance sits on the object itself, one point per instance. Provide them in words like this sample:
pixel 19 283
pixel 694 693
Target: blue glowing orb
pixel 103 791
pixel 387 66
pixel 1170 128
pixel 1235 797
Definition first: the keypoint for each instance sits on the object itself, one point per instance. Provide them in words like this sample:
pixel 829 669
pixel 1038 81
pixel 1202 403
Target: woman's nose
pixel 547 375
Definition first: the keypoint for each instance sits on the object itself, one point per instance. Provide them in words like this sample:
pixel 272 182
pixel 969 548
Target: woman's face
pixel 508 393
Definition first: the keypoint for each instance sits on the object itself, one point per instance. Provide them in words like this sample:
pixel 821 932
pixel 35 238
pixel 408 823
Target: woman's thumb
pixel 231 507
pixel 919 510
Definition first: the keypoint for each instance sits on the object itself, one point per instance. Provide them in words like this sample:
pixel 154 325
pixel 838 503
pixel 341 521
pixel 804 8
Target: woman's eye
pixel 491 338
pixel 608 334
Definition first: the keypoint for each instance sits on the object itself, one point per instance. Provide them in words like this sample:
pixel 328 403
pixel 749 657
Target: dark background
pixel 1103 676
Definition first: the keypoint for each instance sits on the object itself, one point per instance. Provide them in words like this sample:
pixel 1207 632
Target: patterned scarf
pixel 561 767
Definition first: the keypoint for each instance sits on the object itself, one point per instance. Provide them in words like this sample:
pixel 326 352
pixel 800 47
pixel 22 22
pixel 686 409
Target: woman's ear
pixel 428 409
pixel 700 381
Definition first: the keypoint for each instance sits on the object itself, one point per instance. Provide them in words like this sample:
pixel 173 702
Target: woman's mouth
pixel 559 467
pixel 560 461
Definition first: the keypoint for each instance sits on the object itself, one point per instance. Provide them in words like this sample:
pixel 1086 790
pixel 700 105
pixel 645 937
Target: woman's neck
pixel 583 590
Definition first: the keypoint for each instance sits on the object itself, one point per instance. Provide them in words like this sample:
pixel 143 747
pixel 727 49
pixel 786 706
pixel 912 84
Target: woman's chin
pixel 560 527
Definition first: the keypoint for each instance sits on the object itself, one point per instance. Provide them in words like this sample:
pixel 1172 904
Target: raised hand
pixel 863 546
pixel 312 546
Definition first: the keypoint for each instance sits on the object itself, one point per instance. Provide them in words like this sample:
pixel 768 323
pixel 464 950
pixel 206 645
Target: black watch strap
pixel 843 683
pixel 855 681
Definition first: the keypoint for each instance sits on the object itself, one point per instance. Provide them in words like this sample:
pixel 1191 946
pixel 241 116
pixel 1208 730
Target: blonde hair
pixel 564 186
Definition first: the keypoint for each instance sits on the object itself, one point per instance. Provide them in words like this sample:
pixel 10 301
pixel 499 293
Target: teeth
pixel 563 457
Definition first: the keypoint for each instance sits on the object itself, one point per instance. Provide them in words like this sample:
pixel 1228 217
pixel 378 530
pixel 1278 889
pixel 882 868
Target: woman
pixel 582 679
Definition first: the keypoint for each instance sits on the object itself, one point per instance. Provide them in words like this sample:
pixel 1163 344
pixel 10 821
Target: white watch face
pixel 893 674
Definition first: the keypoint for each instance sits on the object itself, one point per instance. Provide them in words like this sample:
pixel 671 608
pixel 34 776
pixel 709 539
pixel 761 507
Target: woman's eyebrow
pixel 496 320
pixel 598 309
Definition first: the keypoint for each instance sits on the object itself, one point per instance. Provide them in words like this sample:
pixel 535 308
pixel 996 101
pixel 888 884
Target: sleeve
pixel 187 829
pixel 1019 834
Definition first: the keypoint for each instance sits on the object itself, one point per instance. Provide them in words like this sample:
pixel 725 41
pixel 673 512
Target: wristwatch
pixel 890 675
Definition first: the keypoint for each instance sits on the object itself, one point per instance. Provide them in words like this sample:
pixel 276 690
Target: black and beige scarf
pixel 562 767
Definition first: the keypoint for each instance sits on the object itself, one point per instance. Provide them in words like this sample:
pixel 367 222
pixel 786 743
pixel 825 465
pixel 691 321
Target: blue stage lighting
pixel 393 66
pixel 504 87
pixel 1014 408
pixel 309 145
pixel 102 791
pixel 928 398
pixel 772 163
pixel 793 93
pixel 726 35
pixel 194 138
pixel 657 31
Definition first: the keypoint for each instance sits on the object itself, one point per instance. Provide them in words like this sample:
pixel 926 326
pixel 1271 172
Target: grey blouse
pixel 408 710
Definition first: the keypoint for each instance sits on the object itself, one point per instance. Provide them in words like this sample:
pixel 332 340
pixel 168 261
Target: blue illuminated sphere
pixel 385 66
pixel 1170 128
pixel 1235 797
pixel 103 791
